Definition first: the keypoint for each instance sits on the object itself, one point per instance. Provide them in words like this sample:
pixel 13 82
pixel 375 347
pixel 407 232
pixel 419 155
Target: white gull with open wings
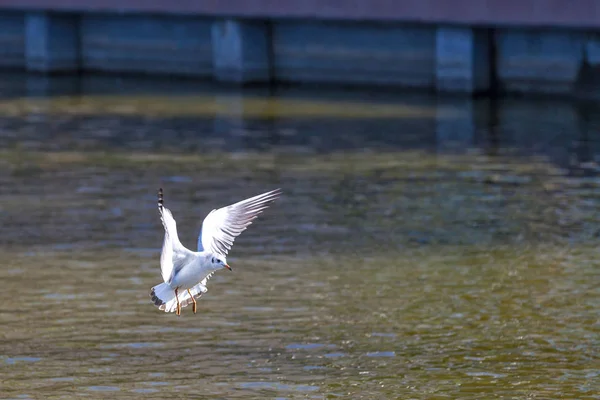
pixel 186 272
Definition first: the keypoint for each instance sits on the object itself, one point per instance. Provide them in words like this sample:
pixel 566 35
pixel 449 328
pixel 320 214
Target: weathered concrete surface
pixel 463 60
pixel 377 44
pixel 541 13
pixel 52 42
pixel 146 44
pixel 354 53
pixel 241 51
pixel 592 50
pixel 539 61
pixel 12 40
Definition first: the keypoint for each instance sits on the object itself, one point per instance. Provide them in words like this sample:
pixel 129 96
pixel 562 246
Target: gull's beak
pixel 228 267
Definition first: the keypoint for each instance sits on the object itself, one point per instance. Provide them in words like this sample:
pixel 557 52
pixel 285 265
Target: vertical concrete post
pixel 462 60
pixel 588 84
pixel 592 50
pixel 241 51
pixel 51 42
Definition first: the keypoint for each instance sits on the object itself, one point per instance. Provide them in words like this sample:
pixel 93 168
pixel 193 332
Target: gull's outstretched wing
pixel 173 255
pixel 222 226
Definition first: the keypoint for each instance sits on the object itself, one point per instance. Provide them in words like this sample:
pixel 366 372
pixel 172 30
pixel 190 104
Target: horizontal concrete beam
pixel 550 13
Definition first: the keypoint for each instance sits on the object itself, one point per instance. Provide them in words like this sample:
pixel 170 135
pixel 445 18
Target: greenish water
pixel 408 258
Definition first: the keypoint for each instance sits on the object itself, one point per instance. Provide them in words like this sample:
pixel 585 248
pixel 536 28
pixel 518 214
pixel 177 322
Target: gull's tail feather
pixel 164 297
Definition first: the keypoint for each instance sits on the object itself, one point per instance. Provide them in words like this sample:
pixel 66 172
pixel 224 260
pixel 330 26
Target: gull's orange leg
pixel 194 300
pixel 178 312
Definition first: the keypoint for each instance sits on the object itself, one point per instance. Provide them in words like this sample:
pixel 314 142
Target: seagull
pixel 185 272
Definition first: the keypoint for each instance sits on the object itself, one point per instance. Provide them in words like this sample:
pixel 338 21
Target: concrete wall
pixel 146 44
pixel 344 52
pixel 539 61
pixel 529 13
pixel 12 40
pixel 428 56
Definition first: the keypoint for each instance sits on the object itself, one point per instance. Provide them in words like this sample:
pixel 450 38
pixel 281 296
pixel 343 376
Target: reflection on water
pixel 424 247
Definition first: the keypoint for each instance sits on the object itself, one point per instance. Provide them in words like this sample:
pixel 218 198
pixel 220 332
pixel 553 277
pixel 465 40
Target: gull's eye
pixel 218 261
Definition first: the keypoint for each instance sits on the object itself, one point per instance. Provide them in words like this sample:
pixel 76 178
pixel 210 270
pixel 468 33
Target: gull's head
pixel 219 262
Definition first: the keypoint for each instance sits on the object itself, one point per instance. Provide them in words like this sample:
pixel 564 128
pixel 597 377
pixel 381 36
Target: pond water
pixel 424 248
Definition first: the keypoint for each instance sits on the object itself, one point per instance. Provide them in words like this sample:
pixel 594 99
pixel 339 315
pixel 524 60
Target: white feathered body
pixel 193 275
pixel 196 268
pixel 183 269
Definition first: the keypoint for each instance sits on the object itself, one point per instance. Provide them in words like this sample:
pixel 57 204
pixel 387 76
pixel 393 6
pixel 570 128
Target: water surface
pixel 425 248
